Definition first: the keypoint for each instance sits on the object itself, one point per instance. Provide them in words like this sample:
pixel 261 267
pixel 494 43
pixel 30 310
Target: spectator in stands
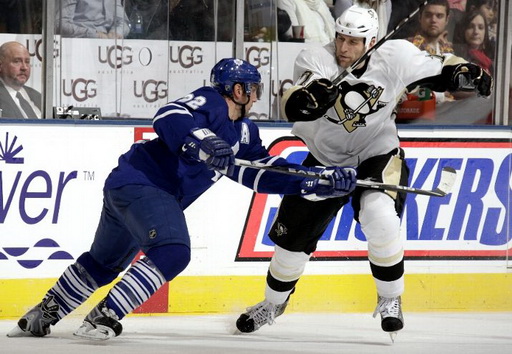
pixel 433 19
pixel 489 8
pixel 471 40
pixel 458 107
pixel 382 7
pixel 431 37
pixel 91 19
pixel 17 100
pixel 314 15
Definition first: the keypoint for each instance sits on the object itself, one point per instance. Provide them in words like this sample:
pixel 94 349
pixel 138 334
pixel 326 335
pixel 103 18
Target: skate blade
pixel 18 332
pixel 89 332
pixel 392 335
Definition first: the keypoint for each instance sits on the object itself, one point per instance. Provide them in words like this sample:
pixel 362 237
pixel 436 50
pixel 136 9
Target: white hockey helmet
pixel 360 22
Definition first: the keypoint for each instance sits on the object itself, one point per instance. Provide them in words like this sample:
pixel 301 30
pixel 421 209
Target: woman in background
pixel 488 8
pixel 471 40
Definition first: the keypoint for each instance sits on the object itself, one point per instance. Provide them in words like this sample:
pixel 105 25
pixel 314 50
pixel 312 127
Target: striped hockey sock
pixel 72 289
pixel 141 281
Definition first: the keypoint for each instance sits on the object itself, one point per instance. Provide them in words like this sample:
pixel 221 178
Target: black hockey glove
pixel 203 145
pixel 311 101
pixel 469 77
pixel 340 181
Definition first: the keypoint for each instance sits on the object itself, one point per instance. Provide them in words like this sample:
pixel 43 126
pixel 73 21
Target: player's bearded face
pixel 348 49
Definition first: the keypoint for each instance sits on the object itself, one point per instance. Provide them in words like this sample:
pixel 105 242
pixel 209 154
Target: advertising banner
pixel 51 181
pixel 132 78
pixel 471 223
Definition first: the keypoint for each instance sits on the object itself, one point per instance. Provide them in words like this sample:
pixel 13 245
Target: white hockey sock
pixel 285 266
pixel 141 281
pixel 73 287
pixel 390 289
pixel 276 297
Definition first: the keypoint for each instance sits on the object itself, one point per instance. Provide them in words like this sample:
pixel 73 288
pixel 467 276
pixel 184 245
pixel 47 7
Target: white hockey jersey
pixel 362 122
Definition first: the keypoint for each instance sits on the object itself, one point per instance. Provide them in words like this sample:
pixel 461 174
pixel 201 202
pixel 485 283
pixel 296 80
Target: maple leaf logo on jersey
pixel 354 103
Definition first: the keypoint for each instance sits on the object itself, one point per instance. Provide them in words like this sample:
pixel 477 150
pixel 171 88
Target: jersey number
pixel 192 101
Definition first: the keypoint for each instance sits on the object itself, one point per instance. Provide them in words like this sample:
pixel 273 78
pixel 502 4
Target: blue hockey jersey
pixel 161 163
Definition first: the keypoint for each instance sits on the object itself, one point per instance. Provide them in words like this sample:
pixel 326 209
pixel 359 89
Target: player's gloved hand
pixel 309 102
pixel 471 77
pixel 204 145
pixel 340 181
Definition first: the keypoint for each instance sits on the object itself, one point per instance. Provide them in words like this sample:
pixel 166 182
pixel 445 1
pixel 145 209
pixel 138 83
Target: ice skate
pixel 100 324
pixel 258 315
pixel 390 310
pixel 37 321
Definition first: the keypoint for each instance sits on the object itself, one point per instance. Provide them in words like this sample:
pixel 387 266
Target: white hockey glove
pixel 341 181
pixel 203 145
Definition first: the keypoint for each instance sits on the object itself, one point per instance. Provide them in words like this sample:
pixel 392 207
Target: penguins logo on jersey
pixel 354 103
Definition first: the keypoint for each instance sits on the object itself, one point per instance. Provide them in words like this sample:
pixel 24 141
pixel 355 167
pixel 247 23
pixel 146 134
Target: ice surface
pixel 433 333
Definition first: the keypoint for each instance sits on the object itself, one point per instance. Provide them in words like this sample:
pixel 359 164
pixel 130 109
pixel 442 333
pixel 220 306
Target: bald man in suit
pixel 17 100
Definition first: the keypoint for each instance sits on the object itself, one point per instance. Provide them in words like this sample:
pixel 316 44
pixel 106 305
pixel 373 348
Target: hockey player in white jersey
pixel 353 124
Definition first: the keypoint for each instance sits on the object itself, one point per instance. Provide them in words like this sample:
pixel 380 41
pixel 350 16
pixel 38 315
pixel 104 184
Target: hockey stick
pixel 366 55
pixel 446 182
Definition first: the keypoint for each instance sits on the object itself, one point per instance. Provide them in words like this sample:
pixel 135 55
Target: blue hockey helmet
pixel 230 71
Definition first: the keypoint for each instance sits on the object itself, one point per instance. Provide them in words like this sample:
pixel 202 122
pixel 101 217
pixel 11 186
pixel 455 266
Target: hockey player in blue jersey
pixel 199 136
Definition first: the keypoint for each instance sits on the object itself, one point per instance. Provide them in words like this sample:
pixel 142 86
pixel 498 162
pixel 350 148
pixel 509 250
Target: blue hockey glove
pixel 340 181
pixel 203 145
